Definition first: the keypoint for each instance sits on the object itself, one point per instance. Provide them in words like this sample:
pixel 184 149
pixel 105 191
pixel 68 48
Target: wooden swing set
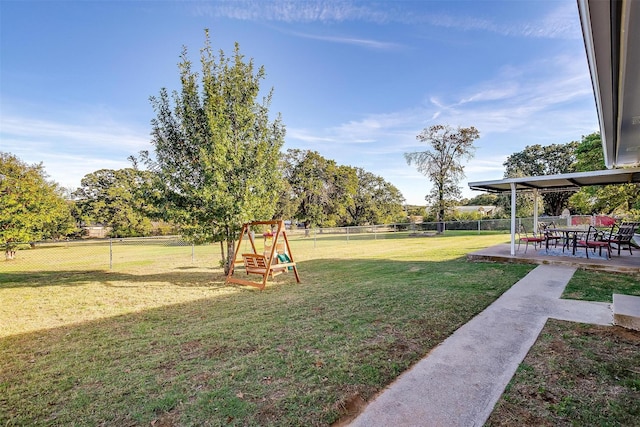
pixel 275 259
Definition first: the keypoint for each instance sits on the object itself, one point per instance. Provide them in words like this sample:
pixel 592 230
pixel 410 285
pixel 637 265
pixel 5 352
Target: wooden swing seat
pixel 269 264
pixel 257 264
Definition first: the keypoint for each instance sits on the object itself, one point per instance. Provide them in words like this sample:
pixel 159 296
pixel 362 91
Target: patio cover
pixel 547 183
pixel 562 182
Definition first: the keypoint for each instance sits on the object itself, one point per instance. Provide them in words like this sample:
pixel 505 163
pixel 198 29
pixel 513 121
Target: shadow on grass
pixel 184 277
pixel 107 278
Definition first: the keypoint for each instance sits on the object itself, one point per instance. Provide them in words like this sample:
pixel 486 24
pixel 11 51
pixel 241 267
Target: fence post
pixel 375 235
pixel 315 234
pixel 347 234
pixel 110 253
pixel 479 227
pixel 193 247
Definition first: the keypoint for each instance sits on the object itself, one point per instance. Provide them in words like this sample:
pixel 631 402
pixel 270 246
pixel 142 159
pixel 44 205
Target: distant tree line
pixel 315 192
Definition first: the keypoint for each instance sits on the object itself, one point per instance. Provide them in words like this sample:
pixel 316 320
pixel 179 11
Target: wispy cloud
pixel 112 135
pixel 307 135
pixel 370 133
pixel 493 93
pixel 293 11
pixel 368 43
pixel 532 101
pixel 493 165
pixel 69 151
pixel 528 98
pixel 457 21
pixel 303 12
pixel 376 126
pixel 562 22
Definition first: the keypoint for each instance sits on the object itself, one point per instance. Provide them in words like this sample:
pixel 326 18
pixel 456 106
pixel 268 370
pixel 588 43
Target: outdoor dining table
pixel 569 237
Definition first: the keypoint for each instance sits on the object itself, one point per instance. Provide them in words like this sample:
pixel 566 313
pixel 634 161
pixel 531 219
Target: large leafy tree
pixel 116 198
pixel 589 154
pixel 605 199
pixel 322 193
pixel 31 208
pixel 376 201
pixel 216 150
pixel 320 190
pixel 442 163
pixel 485 199
pixel 539 160
pixel 343 186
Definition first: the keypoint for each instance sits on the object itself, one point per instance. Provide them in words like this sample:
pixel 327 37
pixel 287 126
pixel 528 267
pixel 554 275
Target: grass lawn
pixel 598 286
pixel 165 342
pixel 577 374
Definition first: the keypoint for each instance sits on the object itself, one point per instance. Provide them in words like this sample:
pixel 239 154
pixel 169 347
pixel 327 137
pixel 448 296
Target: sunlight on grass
pixel 53 295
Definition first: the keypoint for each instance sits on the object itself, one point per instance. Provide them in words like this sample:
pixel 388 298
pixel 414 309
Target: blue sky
pixel 355 81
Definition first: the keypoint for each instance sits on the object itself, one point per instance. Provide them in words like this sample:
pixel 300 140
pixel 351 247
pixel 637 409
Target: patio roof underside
pixel 563 182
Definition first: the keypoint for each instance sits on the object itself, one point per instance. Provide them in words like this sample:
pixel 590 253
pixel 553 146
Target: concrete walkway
pixel 460 381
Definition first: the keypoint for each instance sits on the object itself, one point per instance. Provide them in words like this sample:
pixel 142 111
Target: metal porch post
pixel 513 219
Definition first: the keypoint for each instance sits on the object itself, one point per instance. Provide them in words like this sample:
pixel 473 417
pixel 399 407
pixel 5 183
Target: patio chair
pixel 623 236
pixel 552 234
pixel 582 239
pixel 527 239
pixel 594 240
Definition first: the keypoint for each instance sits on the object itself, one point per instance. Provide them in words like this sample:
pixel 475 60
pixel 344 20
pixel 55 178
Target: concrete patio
pixel 623 263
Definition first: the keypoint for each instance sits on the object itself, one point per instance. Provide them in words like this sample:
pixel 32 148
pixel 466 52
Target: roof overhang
pixel 562 182
pixel 611 31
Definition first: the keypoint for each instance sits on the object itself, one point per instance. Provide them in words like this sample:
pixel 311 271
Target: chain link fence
pixel 166 252
pixel 111 254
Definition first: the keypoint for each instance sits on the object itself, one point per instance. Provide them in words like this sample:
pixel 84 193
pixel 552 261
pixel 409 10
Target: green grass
pixel 575 375
pixel 599 286
pixel 101 255
pixel 165 341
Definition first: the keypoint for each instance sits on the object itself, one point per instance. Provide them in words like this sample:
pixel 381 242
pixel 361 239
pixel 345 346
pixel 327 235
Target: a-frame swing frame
pixel 264 265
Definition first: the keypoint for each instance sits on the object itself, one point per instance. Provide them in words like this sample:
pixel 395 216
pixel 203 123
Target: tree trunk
pixel 441 211
pixel 223 259
pixel 10 251
pixel 231 255
pixel 231 251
